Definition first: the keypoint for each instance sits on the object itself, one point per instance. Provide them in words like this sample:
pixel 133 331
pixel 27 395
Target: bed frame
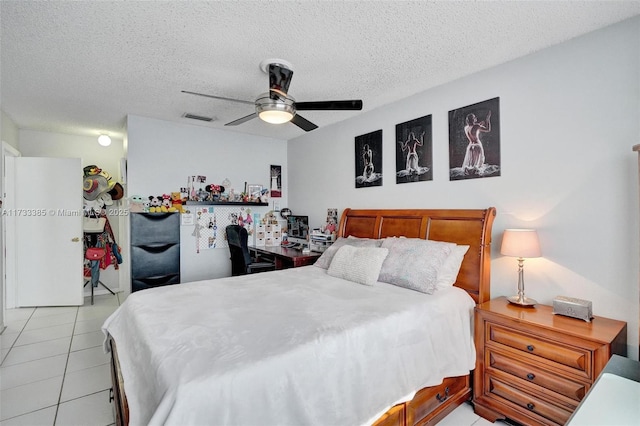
pixel 469 227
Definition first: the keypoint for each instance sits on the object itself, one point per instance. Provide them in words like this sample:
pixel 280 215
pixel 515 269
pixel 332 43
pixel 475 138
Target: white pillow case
pixel 358 264
pixel 414 263
pixel 325 260
pixel 448 272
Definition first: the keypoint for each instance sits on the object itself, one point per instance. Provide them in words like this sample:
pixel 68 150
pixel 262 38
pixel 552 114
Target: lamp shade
pixel 520 243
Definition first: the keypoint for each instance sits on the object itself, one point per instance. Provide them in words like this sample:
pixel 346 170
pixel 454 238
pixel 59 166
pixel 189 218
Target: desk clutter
pixel 320 241
pixel 296 232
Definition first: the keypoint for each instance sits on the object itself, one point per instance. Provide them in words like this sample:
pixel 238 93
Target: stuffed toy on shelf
pixel 155 204
pixel 167 206
pixel 176 202
pixel 137 204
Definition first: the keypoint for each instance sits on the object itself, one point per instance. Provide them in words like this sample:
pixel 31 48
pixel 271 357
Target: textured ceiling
pixel 81 67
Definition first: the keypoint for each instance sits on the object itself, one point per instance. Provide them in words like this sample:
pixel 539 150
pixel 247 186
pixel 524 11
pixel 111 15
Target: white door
pixel 47 215
pixel 7 151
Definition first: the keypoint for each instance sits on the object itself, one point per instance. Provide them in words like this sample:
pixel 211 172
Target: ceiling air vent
pixel 197 117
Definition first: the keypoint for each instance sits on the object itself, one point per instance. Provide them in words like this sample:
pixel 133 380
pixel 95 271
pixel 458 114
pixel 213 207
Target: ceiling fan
pixel 276 106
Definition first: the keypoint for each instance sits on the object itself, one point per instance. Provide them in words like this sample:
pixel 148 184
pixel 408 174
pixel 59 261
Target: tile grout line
pixel 18 336
pixel 66 365
pixel 11 348
pixel 68 353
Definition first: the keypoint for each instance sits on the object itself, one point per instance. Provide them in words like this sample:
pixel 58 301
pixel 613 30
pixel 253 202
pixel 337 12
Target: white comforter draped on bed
pixel 292 347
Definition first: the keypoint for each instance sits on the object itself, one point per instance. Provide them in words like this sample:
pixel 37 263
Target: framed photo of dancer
pixel 368 152
pixel 414 150
pixel 474 141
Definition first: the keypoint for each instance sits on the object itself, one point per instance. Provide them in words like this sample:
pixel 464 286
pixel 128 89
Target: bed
pixel 306 345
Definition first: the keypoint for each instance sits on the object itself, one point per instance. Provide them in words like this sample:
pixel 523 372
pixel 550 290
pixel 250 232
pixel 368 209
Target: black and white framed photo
pixel 474 141
pixel 368 152
pixel 414 148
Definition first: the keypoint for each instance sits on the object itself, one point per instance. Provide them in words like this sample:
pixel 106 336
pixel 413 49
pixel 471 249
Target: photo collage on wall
pixel 211 222
pixel 474 147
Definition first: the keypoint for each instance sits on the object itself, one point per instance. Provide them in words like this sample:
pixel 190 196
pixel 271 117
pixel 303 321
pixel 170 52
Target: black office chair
pixel 241 261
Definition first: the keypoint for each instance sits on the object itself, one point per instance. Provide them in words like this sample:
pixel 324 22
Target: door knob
pixel 75 239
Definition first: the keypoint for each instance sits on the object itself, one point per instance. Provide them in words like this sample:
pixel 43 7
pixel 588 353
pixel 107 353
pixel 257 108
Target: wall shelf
pixel 223 203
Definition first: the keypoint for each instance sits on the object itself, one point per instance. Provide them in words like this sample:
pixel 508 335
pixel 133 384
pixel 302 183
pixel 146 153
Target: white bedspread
pixel 291 347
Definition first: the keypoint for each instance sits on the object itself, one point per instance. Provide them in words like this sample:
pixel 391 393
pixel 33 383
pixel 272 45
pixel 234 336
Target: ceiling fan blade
pixel 279 80
pixel 329 105
pixel 218 97
pixel 242 120
pixel 303 123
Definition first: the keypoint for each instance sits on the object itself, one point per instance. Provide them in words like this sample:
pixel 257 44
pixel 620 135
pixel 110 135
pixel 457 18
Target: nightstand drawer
pixel 576 358
pixel 530 403
pixel 534 374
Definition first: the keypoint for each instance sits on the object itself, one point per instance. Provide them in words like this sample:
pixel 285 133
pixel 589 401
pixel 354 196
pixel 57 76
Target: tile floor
pixel 54 370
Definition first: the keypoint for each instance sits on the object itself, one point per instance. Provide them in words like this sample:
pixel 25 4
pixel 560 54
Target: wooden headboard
pixel 468 227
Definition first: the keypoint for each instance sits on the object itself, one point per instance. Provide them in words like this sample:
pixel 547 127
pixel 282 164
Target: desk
pixel 284 257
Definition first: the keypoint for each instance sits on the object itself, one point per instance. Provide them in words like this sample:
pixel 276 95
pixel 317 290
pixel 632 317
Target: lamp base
pixel 521 301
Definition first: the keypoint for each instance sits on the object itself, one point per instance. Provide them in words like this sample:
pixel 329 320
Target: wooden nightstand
pixel 535 367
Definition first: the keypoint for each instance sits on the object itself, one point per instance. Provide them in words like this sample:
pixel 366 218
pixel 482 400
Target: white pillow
pixel 325 260
pixel 413 263
pixel 448 272
pixel 358 264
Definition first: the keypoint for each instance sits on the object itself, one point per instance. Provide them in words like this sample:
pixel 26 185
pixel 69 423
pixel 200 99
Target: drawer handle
pixel 530 348
pixel 531 376
pixel 446 395
pixel 531 406
pixel 111 397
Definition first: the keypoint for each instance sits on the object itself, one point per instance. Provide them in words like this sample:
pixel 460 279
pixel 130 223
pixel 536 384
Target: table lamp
pixel 520 243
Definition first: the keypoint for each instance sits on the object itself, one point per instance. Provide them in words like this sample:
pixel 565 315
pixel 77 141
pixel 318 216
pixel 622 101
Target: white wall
pixel 161 155
pixel 569 117
pixel 34 143
pixel 8 130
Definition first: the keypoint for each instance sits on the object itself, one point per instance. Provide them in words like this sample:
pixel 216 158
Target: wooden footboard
pixel 117 394
pixel 428 406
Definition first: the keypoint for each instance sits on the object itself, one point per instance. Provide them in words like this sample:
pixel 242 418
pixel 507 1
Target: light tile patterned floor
pixel 55 372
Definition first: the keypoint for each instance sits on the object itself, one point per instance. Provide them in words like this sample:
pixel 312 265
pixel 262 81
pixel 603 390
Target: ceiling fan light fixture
pixel 275 117
pixel 104 140
pixel 275 111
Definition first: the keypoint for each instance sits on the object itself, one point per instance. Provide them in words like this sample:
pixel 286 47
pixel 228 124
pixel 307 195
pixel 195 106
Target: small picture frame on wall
pixel 275 186
pixel 368 154
pixel 254 190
